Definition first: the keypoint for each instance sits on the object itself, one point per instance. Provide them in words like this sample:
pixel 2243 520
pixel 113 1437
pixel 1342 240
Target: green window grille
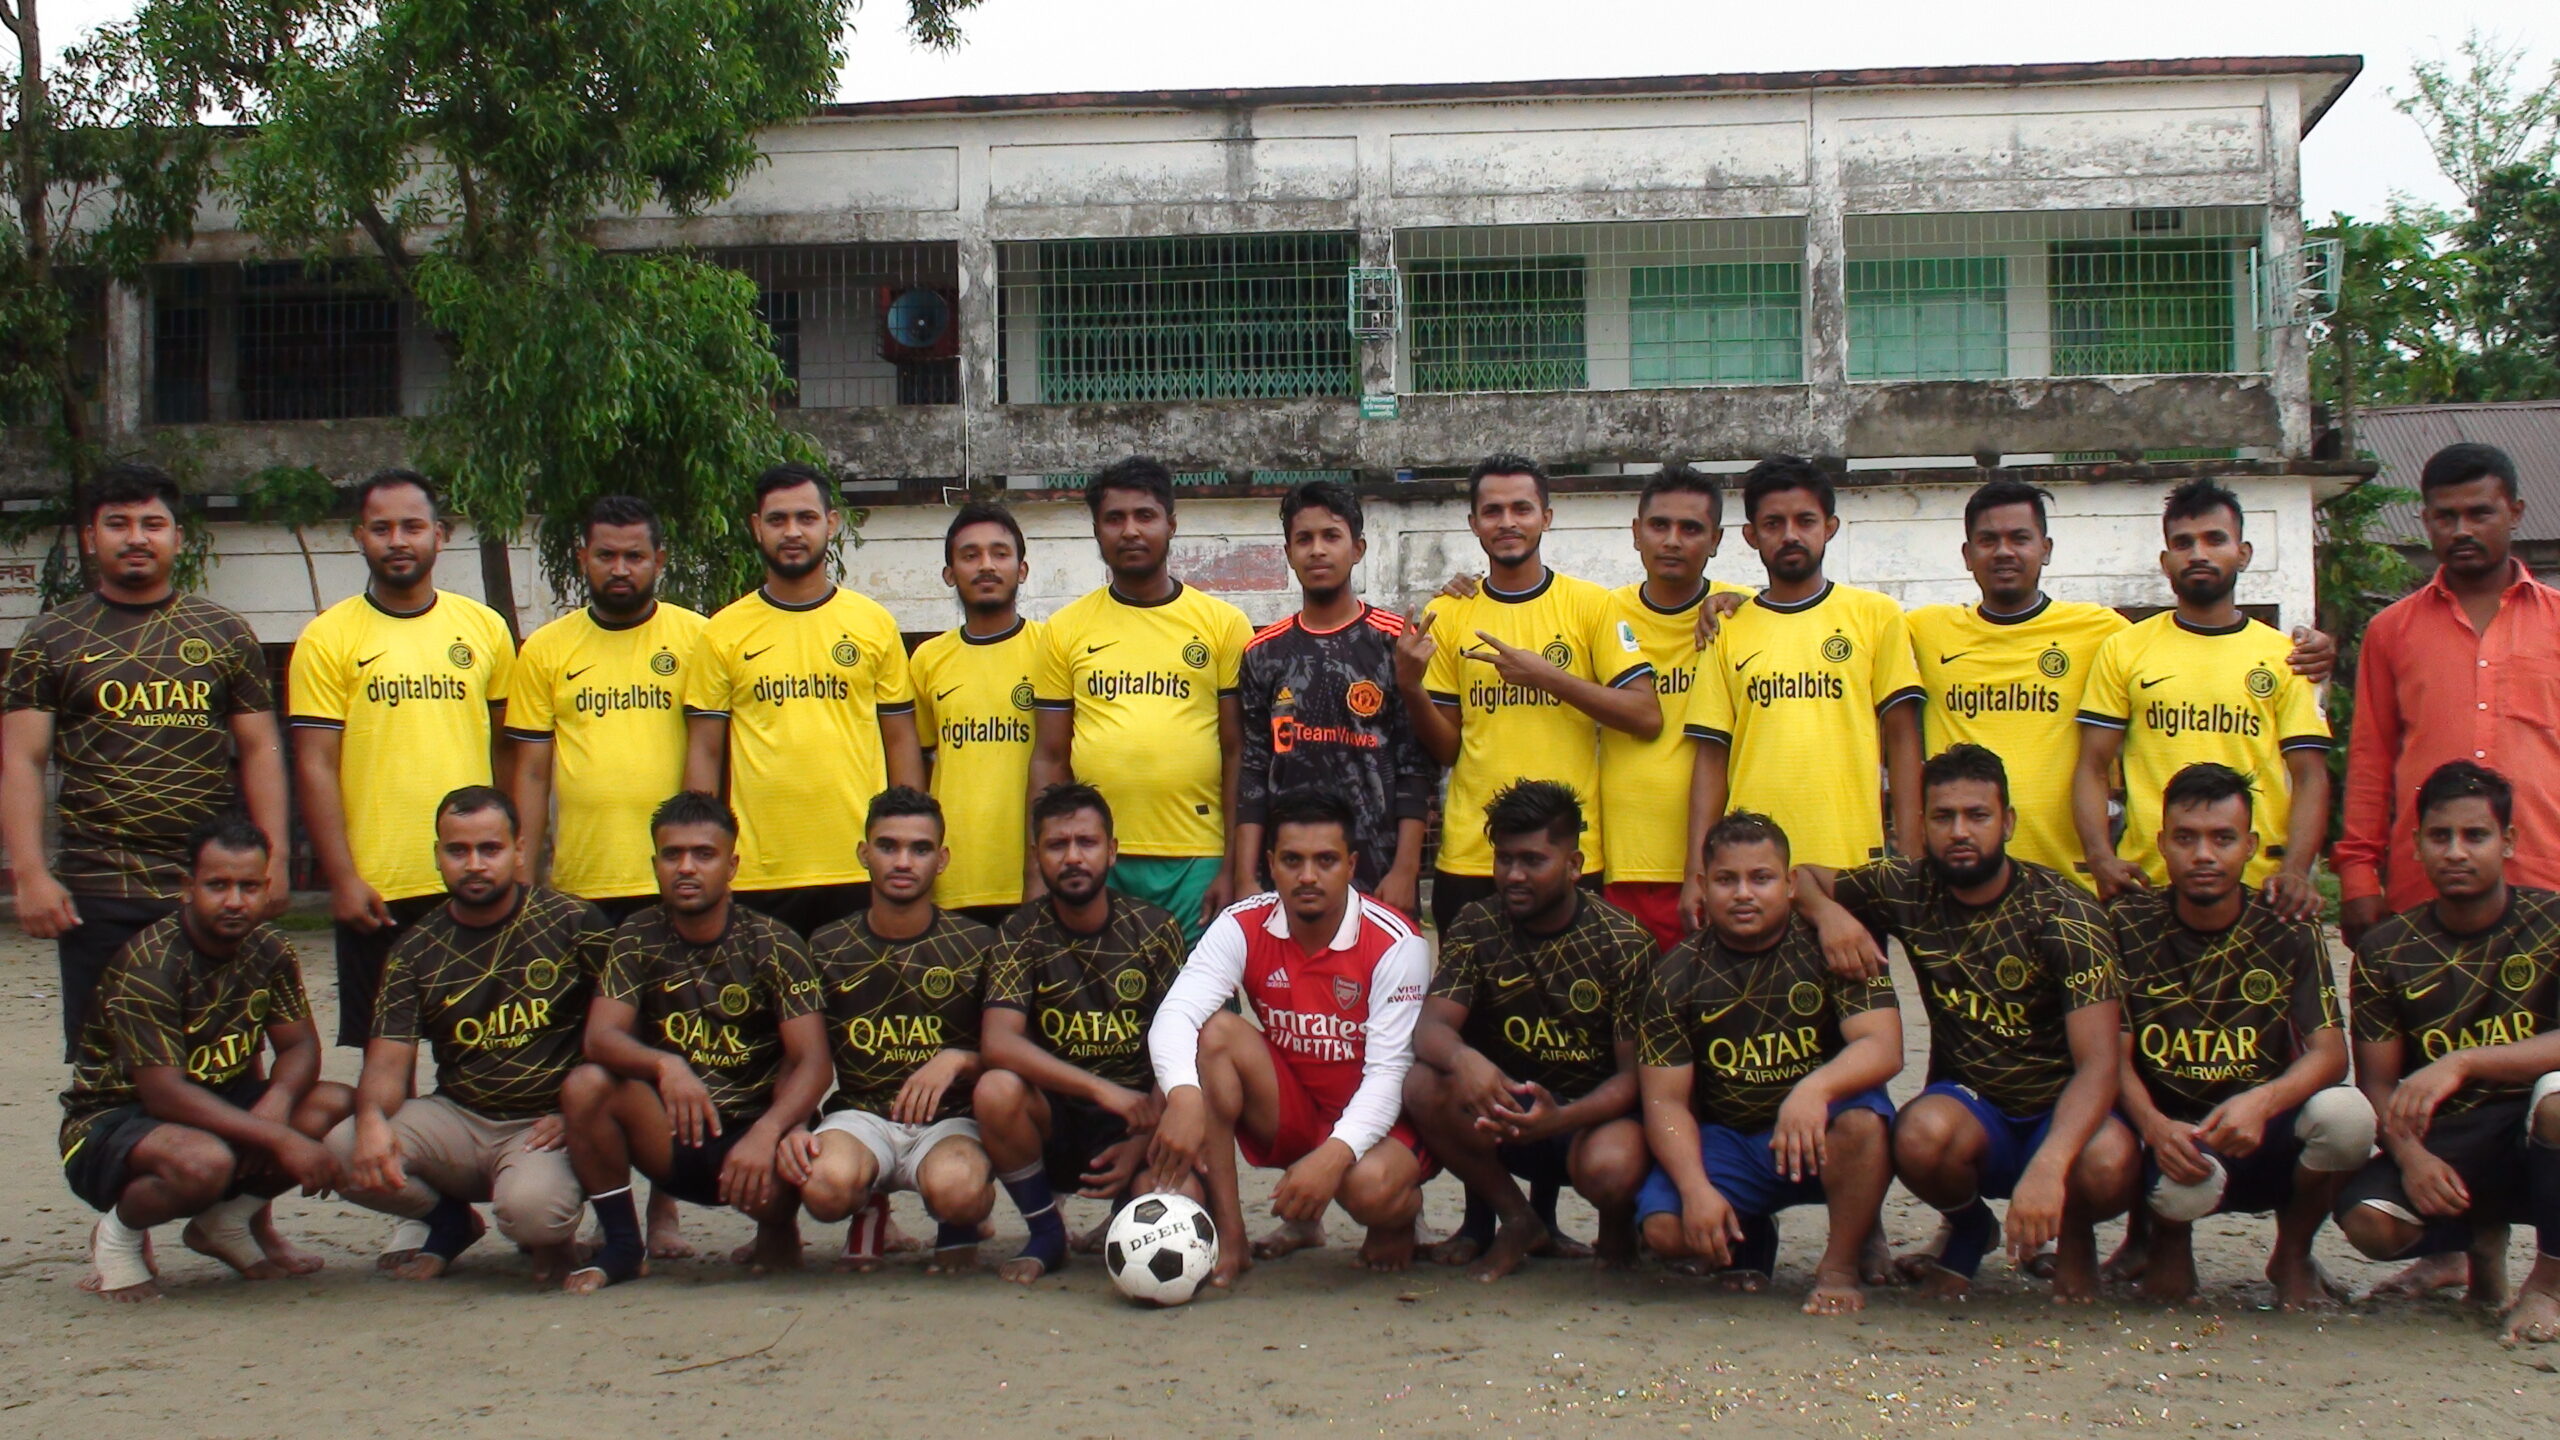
pixel 1078 479
pixel 1729 324
pixel 1502 323
pixel 1929 318
pixel 2144 307
pixel 1195 317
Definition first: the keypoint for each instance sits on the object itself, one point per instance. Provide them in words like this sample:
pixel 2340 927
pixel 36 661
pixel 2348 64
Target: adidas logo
pixel 1277 980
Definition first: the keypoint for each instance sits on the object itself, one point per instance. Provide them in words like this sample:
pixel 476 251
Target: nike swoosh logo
pixel 2420 992
pixel 2160 992
pixel 1512 982
pixel 1951 659
pixel 1712 1016
pixel 750 655
pixel 1097 649
pixel 376 655
pixel 942 695
pixel 1745 660
pixel 1052 987
pixel 2163 680
pixel 669 987
pixel 581 670
pixel 94 659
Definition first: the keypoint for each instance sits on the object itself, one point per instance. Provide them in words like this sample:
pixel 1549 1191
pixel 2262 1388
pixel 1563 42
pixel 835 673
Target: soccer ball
pixel 1160 1247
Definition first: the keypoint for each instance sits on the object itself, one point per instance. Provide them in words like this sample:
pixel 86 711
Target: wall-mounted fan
pixel 918 322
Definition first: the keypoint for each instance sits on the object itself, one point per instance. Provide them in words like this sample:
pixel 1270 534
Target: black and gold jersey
pixel 1751 1022
pixel 1996 980
pixel 2214 1013
pixel 503 1006
pixel 892 1005
pixel 2439 992
pixel 165 1002
pixel 142 698
pixel 1550 1010
pixel 1089 998
pixel 721 1005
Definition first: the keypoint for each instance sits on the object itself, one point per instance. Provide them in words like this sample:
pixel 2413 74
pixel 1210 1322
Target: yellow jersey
pixel 1795 693
pixel 2182 696
pixel 1644 784
pixel 803 688
pixel 2011 684
pixel 1513 732
pixel 410 695
pixel 609 701
pixel 1143 684
pixel 973 711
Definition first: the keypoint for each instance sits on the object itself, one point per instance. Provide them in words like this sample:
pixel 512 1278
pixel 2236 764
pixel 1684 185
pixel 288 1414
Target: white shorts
pixel 897 1148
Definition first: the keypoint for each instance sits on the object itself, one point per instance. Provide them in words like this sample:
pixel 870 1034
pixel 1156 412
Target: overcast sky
pixel 2362 153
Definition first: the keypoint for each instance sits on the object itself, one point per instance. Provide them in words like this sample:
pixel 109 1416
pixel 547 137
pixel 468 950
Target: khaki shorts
pixel 898 1149
pixel 451 1150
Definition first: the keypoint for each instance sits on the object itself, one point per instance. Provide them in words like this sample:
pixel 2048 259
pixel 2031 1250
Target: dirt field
pixel 1307 1345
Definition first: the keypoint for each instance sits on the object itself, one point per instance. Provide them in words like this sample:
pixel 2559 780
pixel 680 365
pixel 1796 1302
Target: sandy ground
pixel 1308 1345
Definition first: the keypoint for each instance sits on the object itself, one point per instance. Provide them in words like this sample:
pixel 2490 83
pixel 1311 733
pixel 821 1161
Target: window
pixel 1929 318
pixel 182 348
pixel 1504 323
pixel 780 312
pixel 1716 324
pixel 1195 318
pixel 312 347
pixel 2143 307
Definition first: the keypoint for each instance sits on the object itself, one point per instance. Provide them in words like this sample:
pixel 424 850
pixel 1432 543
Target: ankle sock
pixel 1970 1238
pixel 1029 1187
pixel 451 1229
pixel 623 1250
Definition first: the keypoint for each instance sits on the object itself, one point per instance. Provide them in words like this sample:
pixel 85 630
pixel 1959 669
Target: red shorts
pixel 1306 1121
pixel 1654 903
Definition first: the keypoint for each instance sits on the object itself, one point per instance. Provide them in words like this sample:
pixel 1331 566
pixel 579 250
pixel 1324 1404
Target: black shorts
pixel 360 957
pixel 809 909
pixel 99 1162
pixel 85 951
pixel 2484 1145
pixel 1453 893
pixel 693 1174
pixel 1078 1131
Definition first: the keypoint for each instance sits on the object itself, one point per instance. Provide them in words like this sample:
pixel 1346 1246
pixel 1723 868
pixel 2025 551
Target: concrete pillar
pixel 1375 209
pixel 127 367
pixel 1826 286
pixel 2286 351
pixel 979 416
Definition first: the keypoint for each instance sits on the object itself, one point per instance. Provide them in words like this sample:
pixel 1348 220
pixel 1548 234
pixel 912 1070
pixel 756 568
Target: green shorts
pixel 1173 883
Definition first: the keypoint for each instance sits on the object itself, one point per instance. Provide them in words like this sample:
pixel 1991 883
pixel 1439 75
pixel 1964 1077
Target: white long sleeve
pixel 1208 980
pixel 1396 986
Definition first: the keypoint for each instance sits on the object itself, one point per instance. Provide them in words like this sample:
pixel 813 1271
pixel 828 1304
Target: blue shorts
pixel 1541 1162
pixel 2256 1183
pixel 1744 1169
pixel 2014 1138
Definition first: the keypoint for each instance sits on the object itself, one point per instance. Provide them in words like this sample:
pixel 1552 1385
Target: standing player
pixel 1336 979
pixel 706 1046
pixel 1527 1043
pixel 900 983
pixel 1516 681
pixel 395 693
pixel 1068 1099
pixel 1809 691
pixel 798 670
pixel 2204 682
pixel 2234 1061
pixel 166 1117
pixel 974 709
pixel 2017 972
pixel 2455 1046
pixel 1763 1078
pixel 1320 708
pixel 496 980
pixel 1136 689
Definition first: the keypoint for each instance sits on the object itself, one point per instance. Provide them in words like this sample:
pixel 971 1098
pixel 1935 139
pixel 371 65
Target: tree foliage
pixel 2479 120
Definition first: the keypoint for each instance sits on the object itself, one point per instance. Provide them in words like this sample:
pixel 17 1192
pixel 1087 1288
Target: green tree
pixel 2511 251
pixel 2396 335
pixel 2478 119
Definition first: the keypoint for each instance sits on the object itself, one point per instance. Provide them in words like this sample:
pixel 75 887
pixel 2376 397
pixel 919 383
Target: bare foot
pixel 1233 1261
pixel 131 1294
pixel 2488 1258
pixel 590 1279
pixel 2425 1276
pixel 2076 1282
pixel 552 1263
pixel 291 1258
pixel 666 1229
pixel 958 1260
pixel 2164 1281
pixel 1616 1247
pixel 2127 1264
pixel 2044 1264
pixel 1914 1266
pixel 1875 1262
pixel 1459 1249
pixel 1388 1250
pixel 421 1266
pixel 1290 1237
pixel 1512 1246
pixel 1022 1269
pixel 1560 1246
pixel 2533 1320
pixel 2301 1284
pixel 774 1250
pixel 402 1247
pixel 1742 1282
pixel 1936 1282
pixel 1835 1292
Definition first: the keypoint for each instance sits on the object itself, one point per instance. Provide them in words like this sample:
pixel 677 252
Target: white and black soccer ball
pixel 1160 1248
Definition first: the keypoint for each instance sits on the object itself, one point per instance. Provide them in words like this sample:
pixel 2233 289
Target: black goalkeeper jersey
pixel 1321 711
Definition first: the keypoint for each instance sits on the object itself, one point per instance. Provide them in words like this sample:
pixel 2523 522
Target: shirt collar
pixel 2521 579
pixel 1276 924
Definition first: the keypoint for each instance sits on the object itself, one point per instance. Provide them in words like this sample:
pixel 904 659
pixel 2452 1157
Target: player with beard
pixel 496 979
pixel 2203 683
pixel 2017 972
pixel 1137 696
pixel 1068 1100
pixel 801 668
pixel 974 709
pixel 2234 1062
pixel 706 1045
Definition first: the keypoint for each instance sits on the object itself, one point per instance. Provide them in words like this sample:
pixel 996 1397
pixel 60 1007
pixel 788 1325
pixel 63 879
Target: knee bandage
pixel 2187 1204
pixel 2336 1129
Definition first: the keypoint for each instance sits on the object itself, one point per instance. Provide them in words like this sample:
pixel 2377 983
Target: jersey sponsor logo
pixel 1091 1034
pixel 2516 972
pixel 1837 648
pixel 508 1025
pixel 599 700
pixel 393 690
pixel 2204 1052
pixel 2004 1018
pixel 542 974
pixel 734 1000
pixel 663 663
pixel 1768 1057
pixel 2259 987
pixel 1196 655
pixel 937 982
pixel 461 655
pixel 192 651
pixel 778 690
pixel 2186 717
pixel 1364 698
pixel 1489 697
pixel 1346 991
pixel 845 653
pixel 703 1043
pixel 157 704
pixel 1584 996
pixel 1119 684
pixel 1278 979
pixel 1767 690
pixel 896 1035
pixel 2513 1028
pixel 1130 985
pixel 1675 681
pixel 1022 696
pixel 2014 697
pixel 1804 997
pixel 218 1062
pixel 2011 972
pixel 1558 654
pixel 959 733
pixel 1315 1036
pixel 1286 732
pixel 2054 662
pixel 2261 681
pixel 1550 1040
pixel 259 1004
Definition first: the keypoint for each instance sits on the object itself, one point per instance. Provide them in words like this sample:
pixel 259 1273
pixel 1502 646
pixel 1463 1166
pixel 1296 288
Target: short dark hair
pixel 1679 477
pixel 694 807
pixel 2194 499
pixel 1506 462
pixel 1964 762
pixel 2205 783
pixel 1781 473
pixel 1145 474
pixel 624 510
pixel 1746 827
pixel 126 482
pixel 791 474
pixel 1322 495
pixel 1068 798
pixel 982 512
pixel 1307 806
pixel 2462 463
pixel 1994 494
pixel 899 802
pixel 226 830
pixel 1526 806
pixel 2463 780
pixel 473 799
pixel 395 477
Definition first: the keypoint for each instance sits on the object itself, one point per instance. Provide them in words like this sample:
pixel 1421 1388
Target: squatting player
pixel 1527 1043
pixel 1068 1100
pixel 974 709
pixel 705 1045
pixel 1336 979
pixel 1763 1079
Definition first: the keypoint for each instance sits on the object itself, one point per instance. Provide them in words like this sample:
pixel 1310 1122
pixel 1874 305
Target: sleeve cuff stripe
pixel 540 737
pixel 1442 697
pixel 1053 704
pixel 1905 694
pixel 901 707
pixel 1632 675
pixel 1707 732
pixel 2307 742
pixel 315 722
pixel 698 711
pixel 2104 722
